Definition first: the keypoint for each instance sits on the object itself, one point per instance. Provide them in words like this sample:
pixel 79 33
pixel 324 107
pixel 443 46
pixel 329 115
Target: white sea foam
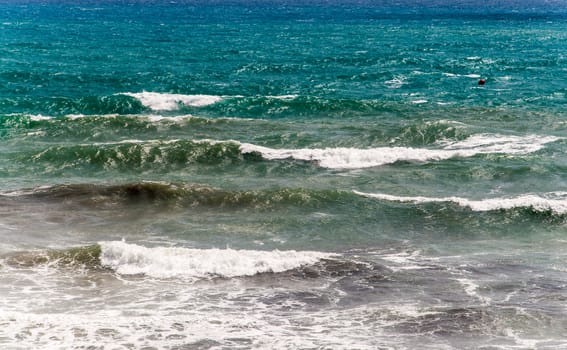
pixel 80 116
pixel 169 102
pixel 208 323
pixel 356 158
pixel 405 261
pixel 284 97
pixel 33 117
pixel 39 117
pixel 472 289
pixel 506 144
pixel 154 118
pixel 397 82
pixel 555 202
pixel 169 262
pixel 452 75
pixel 345 158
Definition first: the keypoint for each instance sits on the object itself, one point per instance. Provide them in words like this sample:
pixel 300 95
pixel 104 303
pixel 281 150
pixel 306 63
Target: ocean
pixel 279 174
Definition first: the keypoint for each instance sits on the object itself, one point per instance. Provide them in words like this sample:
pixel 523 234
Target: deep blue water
pixel 283 174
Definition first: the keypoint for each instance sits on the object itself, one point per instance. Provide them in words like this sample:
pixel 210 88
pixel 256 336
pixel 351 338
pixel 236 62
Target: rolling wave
pixel 130 155
pixel 177 262
pixel 171 262
pixel 136 155
pixel 170 102
pixel 189 195
pixel 217 106
pixel 353 158
pixel 555 202
pixel 82 128
pixel 94 196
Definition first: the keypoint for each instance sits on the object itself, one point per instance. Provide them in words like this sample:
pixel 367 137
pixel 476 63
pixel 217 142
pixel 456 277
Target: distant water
pixel 283 175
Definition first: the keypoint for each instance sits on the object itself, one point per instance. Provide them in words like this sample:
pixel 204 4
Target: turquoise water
pixel 283 175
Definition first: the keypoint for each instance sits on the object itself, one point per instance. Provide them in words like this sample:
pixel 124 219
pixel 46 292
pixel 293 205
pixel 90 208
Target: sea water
pixel 283 174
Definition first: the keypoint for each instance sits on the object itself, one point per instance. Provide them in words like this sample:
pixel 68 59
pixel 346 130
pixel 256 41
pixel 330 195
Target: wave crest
pixel 555 203
pixel 135 155
pixel 168 262
pixel 170 102
pixel 354 158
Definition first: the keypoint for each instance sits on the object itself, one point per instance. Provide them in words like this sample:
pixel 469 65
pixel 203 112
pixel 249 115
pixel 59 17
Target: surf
pixel 189 264
pixel 170 102
pixel 554 202
pixel 352 158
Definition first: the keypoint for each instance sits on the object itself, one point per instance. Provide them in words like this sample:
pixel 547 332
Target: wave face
pixel 184 195
pixel 60 106
pixel 136 155
pixel 81 257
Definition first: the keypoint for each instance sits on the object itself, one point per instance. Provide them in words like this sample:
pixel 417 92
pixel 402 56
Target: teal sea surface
pixel 283 174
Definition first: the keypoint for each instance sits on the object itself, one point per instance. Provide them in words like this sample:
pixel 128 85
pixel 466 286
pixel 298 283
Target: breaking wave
pixel 555 202
pixel 354 158
pixel 170 102
pixel 135 155
pixel 170 262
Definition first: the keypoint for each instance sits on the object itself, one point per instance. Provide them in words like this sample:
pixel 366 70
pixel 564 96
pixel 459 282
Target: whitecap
pixel 192 264
pixel 504 144
pixel 39 117
pixel 169 102
pixel 453 75
pixel 346 158
pixel 356 158
pixel 555 202
pixel 284 97
pixel 154 118
pixel 80 116
pixel 396 83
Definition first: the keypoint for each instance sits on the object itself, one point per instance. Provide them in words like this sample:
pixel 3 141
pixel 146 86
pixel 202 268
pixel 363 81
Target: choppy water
pixel 283 175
